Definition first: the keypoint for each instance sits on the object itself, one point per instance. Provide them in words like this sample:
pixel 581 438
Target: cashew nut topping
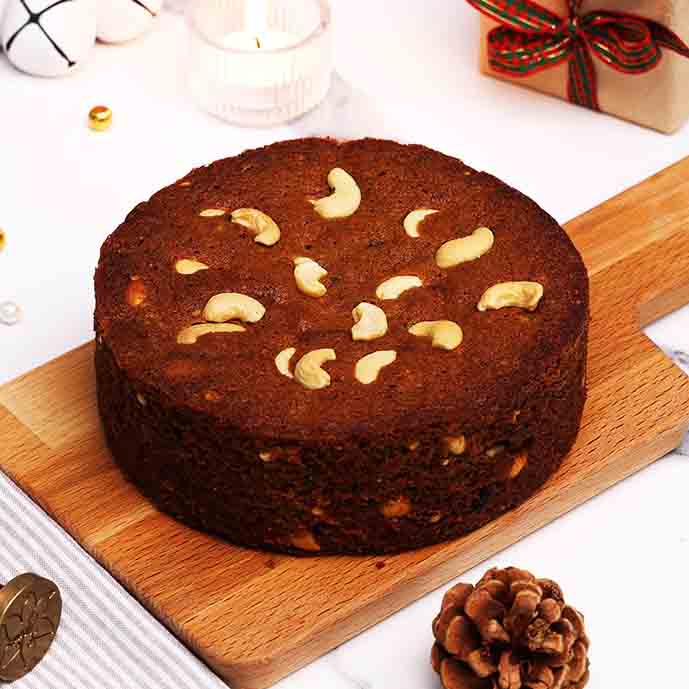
pixel 393 287
pixel 370 322
pixel 227 306
pixel 368 367
pixel 188 266
pixel 345 198
pixel 282 361
pixel 446 334
pixel 308 275
pixel 264 227
pixel 524 295
pixel 464 249
pixel 212 212
pixel 193 332
pixel 414 219
pixel 308 370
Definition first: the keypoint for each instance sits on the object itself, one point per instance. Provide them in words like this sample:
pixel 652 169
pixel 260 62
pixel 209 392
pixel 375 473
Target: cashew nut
pixel 399 507
pixel 393 287
pixel 308 275
pixel 212 212
pixel 524 295
pixel 136 291
pixel 446 334
pixel 456 444
pixel 264 227
pixel 282 361
pixel 227 306
pixel 188 266
pixel 305 540
pixel 414 219
pixel 308 370
pixel 369 366
pixel 345 198
pixel 370 322
pixel 464 249
pixel 193 332
pixel 520 461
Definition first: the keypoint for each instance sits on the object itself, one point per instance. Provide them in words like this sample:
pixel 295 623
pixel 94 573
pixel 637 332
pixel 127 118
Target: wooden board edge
pixel 45 368
pixel 262 671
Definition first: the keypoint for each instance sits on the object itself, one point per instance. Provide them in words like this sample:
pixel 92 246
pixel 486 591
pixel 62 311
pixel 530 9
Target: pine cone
pixel 511 631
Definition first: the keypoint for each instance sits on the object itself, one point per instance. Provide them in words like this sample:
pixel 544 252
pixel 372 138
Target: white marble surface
pixel 408 72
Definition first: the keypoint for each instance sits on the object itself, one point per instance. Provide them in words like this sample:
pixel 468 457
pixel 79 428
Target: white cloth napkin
pixel 106 639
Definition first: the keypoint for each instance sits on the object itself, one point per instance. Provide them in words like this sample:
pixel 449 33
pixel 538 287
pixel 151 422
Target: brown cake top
pixel 253 288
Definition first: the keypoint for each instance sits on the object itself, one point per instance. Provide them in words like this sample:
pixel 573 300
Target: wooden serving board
pixel 221 600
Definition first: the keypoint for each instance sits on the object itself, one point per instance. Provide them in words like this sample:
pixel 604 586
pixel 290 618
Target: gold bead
pixel 3 239
pixel 100 118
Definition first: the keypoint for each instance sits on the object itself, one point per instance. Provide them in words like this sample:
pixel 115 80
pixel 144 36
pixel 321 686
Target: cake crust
pixel 217 436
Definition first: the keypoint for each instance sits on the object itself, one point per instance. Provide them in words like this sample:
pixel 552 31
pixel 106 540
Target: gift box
pixel 628 58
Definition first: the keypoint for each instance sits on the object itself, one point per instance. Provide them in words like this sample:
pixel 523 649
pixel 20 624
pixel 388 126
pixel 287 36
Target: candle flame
pixel 256 16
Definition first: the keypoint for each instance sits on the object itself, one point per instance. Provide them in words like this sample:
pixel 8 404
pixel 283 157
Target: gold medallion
pixel 30 610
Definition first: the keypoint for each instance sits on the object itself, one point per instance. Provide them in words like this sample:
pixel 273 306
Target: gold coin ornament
pixel 30 611
pixel 100 118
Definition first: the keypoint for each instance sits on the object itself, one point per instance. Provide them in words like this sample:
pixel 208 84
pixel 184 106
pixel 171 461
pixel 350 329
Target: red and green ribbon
pixel 531 38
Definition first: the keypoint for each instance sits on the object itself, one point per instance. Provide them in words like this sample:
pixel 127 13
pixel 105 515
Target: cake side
pixel 359 496
pixel 438 444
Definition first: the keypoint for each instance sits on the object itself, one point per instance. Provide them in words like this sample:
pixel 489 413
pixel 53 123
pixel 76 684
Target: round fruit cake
pixel 326 347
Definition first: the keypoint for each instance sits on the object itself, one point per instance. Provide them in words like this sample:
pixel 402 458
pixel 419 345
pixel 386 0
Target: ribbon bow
pixel 531 38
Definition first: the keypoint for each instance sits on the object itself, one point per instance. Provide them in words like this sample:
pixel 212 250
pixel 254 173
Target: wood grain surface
pixel 254 617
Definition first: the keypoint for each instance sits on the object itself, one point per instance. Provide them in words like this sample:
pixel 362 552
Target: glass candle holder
pixel 259 63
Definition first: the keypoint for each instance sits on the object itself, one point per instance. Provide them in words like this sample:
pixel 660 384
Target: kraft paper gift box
pixel 657 98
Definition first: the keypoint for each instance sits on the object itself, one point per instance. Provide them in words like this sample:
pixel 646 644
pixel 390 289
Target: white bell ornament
pixel 124 20
pixel 48 38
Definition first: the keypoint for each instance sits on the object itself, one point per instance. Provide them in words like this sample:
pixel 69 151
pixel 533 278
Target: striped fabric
pixel 106 639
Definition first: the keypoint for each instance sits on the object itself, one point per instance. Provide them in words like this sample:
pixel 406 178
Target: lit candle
pixel 272 69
